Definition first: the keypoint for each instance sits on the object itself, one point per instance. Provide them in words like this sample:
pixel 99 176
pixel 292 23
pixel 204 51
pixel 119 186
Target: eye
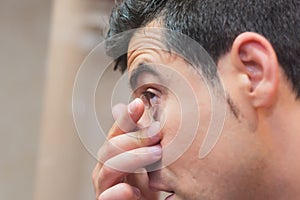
pixel 150 97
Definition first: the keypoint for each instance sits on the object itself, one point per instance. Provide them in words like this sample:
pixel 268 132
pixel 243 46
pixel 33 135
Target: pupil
pixel 149 96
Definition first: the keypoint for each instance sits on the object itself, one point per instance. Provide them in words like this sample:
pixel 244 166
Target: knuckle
pixel 102 152
pixel 108 149
pixel 106 153
pixel 95 173
pixel 106 171
pixel 94 177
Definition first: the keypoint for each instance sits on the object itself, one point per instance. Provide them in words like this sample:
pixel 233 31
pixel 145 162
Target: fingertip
pixel 120 191
pixel 136 192
pixel 136 109
pixel 126 117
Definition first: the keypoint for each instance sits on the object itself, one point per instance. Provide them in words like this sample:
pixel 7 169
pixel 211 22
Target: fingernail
pixel 153 129
pixel 137 192
pixel 156 150
pixel 133 105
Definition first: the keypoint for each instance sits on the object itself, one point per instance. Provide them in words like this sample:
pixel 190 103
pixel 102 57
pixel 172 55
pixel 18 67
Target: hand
pixel 124 153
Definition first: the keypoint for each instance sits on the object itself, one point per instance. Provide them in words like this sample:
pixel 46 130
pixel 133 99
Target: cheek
pixel 226 172
pixel 184 125
pixel 172 122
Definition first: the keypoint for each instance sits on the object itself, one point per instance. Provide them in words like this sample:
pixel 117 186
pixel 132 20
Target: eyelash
pixel 150 97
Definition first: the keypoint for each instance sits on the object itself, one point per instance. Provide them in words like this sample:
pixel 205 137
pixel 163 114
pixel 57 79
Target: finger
pixel 126 117
pixel 125 142
pixel 113 171
pixel 141 180
pixel 95 176
pixel 130 141
pixel 121 191
pixel 135 109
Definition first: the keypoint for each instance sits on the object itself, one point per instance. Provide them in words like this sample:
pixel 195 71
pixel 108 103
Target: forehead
pixel 147 54
pixel 148 36
pixel 146 45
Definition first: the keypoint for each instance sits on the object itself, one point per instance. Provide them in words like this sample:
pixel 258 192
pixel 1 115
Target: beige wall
pixel 26 66
pixel 24 29
pixel 64 166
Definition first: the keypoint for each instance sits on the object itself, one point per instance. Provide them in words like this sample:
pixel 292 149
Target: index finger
pixel 126 117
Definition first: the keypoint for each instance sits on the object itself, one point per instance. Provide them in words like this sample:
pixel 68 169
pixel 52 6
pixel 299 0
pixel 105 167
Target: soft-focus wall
pixel 64 166
pixel 24 30
pixel 26 64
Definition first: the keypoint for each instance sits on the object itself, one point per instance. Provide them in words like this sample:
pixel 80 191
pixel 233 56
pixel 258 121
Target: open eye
pixel 150 97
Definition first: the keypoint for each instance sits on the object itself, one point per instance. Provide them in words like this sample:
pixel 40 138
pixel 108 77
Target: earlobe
pixel 254 56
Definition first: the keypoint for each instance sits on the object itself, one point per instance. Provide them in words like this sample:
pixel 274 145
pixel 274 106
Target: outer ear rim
pixel 264 94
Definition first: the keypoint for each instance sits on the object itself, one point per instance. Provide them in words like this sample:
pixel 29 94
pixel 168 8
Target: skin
pixel 256 156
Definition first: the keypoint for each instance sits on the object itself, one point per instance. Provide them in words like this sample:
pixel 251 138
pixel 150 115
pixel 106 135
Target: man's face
pixel 179 98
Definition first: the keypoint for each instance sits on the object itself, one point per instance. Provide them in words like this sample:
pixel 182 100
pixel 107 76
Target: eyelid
pixel 154 91
pixel 146 97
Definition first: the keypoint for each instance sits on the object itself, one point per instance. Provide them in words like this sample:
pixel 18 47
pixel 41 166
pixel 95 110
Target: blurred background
pixel 42 45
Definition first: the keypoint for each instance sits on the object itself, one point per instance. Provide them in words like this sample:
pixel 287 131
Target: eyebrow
pixel 136 73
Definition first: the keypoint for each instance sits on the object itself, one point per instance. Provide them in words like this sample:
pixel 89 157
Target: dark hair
pixel 216 23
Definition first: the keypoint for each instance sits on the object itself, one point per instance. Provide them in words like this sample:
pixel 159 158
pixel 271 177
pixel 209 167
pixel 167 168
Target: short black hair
pixel 216 23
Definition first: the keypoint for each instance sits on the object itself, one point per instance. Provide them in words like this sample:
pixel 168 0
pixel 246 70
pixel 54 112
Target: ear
pixel 254 56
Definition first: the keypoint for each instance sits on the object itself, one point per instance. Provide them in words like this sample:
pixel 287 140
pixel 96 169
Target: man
pixel 255 45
